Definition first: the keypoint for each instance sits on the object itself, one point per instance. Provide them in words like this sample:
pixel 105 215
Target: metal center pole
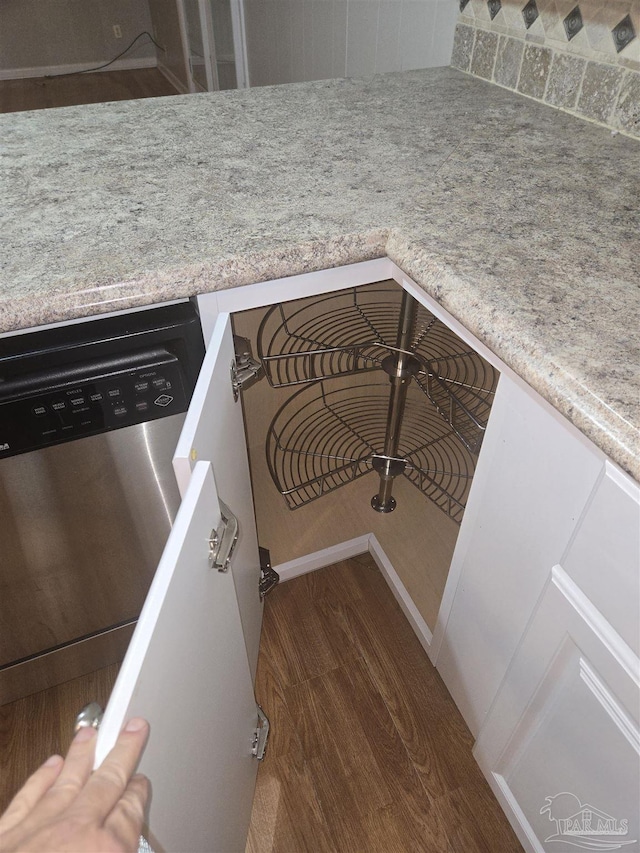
pixel 401 367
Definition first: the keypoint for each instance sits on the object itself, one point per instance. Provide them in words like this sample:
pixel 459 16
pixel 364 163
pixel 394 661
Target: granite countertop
pixel 523 222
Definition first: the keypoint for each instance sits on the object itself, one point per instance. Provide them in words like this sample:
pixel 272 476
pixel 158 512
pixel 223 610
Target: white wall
pixel 165 16
pixel 40 37
pixel 295 40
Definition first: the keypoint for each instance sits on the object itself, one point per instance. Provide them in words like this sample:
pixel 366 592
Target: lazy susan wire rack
pixel 355 330
pixel 326 436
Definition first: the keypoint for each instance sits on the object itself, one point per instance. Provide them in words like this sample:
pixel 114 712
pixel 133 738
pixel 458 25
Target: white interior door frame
pixel 209 44
pixel 205 23
pixel 240 44
pixel 184 38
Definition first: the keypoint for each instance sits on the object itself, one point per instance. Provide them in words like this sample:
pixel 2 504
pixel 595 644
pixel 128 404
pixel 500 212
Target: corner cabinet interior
pixel 367 424
pixel 374 401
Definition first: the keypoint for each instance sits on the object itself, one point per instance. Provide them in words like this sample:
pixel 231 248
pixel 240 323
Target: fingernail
pixel 136 724
pixel 53 760
pixel 84 734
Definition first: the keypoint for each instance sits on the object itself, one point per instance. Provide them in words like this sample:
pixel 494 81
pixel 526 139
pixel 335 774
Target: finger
pixel 31 792
pixel 127 816
pixel 75 772
pixel 109 781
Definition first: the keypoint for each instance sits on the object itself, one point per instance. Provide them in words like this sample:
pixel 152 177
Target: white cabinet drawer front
pixel 604 557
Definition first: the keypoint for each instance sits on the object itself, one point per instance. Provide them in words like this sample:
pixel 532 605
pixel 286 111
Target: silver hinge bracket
pixel 223 539
pixel 269 578
pixel 260 735
pixel 245 370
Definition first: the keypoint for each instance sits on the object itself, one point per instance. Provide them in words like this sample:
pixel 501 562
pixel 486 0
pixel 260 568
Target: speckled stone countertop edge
pixel 156 286
pixel 612 434
pixel 615 437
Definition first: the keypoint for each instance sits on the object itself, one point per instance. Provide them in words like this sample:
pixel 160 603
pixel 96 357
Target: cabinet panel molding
pixel 564 731
pixel 532 482
pixel 604 555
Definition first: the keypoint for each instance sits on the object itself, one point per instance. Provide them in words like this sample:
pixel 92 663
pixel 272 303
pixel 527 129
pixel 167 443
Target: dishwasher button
pixel 120 411
pixel 141 387
pixel 163 400
pixel 95 397
pixel 58 405
pixel 114 392
pixel 160 382
pixel 142 406
pixel 39 411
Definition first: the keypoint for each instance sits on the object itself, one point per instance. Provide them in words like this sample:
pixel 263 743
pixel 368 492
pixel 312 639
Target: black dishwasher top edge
pixel 69 382
pixel 176 326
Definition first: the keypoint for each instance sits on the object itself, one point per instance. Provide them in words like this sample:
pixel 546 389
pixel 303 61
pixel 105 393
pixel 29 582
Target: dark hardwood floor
pixel 367 750
pixel 40 725
pixel 39 93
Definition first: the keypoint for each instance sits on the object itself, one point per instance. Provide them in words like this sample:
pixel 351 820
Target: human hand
pixel 64 807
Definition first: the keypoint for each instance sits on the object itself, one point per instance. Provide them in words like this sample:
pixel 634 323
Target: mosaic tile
pixel 573 23
pixel 623 33
pixel 484 54
pixel 508 61
pixel 573 54
pixel 600 86
pixel 494 7
pixel 627 111
pixel 530 13
pixel 534 71
pixel 462 47
pixel 565 77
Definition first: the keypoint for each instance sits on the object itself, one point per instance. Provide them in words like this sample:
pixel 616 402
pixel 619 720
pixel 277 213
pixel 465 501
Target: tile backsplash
pixel 582 56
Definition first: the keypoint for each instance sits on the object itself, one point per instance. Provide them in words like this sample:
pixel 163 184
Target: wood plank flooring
pixel 367 750
pixel 39 93
pixel 39 725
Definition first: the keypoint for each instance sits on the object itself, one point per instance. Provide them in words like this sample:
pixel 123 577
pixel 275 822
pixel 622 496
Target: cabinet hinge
pixel 269 578
pixel 223 540
pixel 245 370
pixel 260 735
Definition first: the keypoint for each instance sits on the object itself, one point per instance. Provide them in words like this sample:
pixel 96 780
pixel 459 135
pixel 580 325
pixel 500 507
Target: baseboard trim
pixel 513 812
pixel 400 593
pixel 325 557
pixel 351 548
pixel 177 84
pixel 52 70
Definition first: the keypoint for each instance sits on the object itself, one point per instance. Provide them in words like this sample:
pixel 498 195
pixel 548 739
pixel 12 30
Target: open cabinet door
pixel 186 671
pixel 214 430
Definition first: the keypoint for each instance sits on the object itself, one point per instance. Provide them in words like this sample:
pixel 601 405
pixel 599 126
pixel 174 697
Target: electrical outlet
pixel 117 31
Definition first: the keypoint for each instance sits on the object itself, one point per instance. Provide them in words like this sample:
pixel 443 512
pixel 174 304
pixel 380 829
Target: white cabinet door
pixel 533 479
pixel 561 744
pixel 186 671
pixel 214 430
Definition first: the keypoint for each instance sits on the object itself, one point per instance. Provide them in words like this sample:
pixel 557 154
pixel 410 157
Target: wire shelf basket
pixel 354 330
pixel 324 437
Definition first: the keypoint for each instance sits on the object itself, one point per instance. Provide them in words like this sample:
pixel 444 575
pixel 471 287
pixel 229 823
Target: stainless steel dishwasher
pixel 89 418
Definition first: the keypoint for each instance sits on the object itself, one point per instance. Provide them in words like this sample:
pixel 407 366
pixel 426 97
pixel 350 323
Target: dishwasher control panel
pixel 92 405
